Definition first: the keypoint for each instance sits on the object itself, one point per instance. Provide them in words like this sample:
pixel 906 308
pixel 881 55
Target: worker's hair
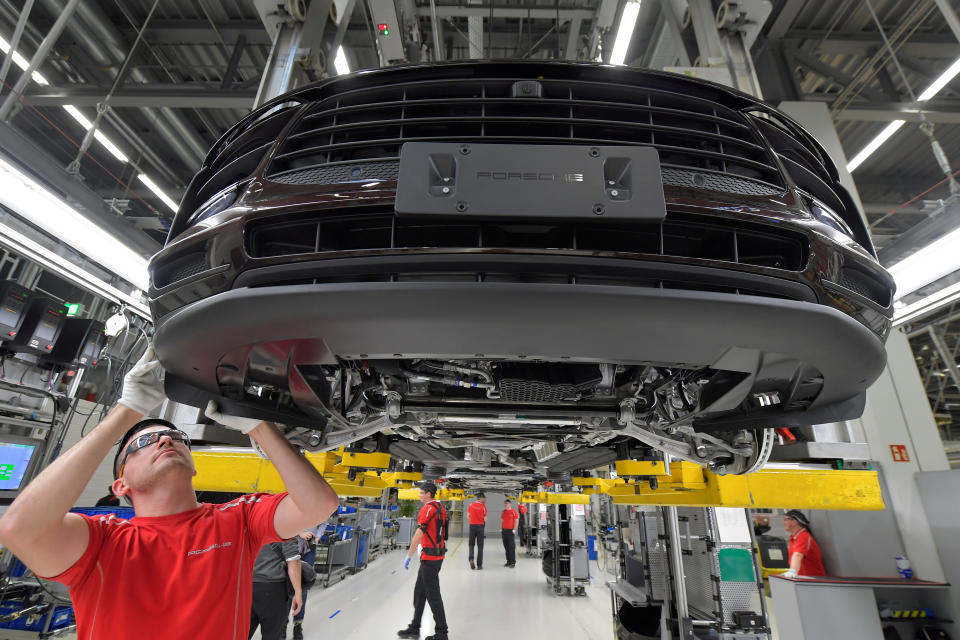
pixel 799 516
pixel 430 488
pixel 132 431
pixel 506 501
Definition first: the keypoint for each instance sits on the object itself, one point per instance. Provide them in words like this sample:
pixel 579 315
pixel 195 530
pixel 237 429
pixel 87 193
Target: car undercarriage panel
pixel 512 270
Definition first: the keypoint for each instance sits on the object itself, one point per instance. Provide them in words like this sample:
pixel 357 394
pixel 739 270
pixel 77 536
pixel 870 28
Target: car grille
pixel 390 170
pixel 867 285
pixel 681 236
pixel 180 268
pixel 366 124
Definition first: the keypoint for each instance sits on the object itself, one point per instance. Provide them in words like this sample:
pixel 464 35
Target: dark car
pixel 522 264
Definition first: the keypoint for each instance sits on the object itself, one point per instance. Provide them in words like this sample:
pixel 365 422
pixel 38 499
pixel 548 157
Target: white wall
pixel 898 413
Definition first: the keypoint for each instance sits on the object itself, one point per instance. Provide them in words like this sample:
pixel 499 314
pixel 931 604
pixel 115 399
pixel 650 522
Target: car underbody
pixel 513 334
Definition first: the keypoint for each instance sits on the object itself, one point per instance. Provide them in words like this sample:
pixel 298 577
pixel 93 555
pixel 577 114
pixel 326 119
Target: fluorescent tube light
pixel 628 21
pixel 927 93
pixel 22 62
pixel 940 82
pixel 923 306
pixel 340 63
pixel 167 200
pixel 874 144
pixel 24 246
pixel 98 134
pixel 41 207
pixel 929 264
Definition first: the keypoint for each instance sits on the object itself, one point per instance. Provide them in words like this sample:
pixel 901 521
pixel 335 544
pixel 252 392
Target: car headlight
pixel 217 203
pixel 829 218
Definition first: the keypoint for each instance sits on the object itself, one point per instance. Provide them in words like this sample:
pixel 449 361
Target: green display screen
pixel 14 460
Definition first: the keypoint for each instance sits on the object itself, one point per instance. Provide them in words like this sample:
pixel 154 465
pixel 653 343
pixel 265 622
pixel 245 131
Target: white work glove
pixel 789 574
pixel 243 425
pixel 143 384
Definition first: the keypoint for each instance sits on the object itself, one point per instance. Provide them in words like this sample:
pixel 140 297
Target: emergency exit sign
pixel 899 453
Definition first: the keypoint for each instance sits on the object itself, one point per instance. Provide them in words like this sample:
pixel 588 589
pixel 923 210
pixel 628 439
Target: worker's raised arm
pixel 310 499
pixel 37 527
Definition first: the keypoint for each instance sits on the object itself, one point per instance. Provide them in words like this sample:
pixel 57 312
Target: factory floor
pixel 496 602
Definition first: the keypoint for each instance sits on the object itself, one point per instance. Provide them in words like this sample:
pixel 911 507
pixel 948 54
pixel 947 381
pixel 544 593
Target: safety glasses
pixel 148 439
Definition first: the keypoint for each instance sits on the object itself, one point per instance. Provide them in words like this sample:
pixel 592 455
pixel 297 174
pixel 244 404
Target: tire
pixel 433 472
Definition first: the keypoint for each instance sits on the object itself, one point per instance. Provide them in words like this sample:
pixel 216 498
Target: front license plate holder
pixel 576 182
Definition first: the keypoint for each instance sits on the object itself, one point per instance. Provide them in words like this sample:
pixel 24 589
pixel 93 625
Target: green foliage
pixel 408 508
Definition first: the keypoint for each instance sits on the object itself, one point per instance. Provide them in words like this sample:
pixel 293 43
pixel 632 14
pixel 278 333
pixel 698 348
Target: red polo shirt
pixel 185 575
pixel 477 512
pixel 508 518
pixel 803 542
pixel 427 519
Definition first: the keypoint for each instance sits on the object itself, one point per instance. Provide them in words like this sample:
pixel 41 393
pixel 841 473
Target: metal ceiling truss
pixel 936 347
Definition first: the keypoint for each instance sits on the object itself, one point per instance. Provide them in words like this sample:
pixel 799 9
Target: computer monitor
pixel 19 457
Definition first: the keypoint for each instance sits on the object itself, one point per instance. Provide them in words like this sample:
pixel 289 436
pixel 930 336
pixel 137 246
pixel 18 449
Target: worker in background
pixel 477 514
pixel 108 500
pixel 761 525
pixel 307 542
pixel 180 568
pixel 806 560
pixel 276 589
pixel 508 529
pixel 431 534
pixel 522 527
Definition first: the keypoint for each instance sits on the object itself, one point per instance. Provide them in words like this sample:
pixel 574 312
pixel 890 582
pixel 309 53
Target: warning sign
pixel 899 453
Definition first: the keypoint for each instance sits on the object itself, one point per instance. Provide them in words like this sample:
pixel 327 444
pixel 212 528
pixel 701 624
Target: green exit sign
pixel 73 308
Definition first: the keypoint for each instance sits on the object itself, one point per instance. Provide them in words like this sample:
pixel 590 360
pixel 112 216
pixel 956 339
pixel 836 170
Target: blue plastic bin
pixel 121 512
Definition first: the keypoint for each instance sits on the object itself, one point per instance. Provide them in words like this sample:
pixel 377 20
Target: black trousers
pixel 428 590
pixel 271 605
pixel 509 545
pixel 476 537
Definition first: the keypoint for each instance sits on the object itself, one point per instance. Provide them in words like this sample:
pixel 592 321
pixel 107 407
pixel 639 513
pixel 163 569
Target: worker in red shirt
pixel 508 529
pixel 522 527
pixel 431 535
pixel 803 551
pixel 168 572
pixel 477 514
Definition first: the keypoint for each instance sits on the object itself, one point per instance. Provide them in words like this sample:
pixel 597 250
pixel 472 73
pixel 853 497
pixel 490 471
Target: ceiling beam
pixel 178 96
pixel 831 73
pixel 903 185
pixel 788 13
pixel 865 43
pixel 483 11
pixel 166 32
pixel 944 110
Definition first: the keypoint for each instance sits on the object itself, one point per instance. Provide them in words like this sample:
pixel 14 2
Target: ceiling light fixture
pixel 340 63
pixel 157 191
pixel 628 21
pixel 929 264
pixel 24 246
pixel 940 82
pixel 42 208
pixel 874 144
pixel 22 62
pixel 891 128
pixel 100 137
pixel 924 306
pixel 98 134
